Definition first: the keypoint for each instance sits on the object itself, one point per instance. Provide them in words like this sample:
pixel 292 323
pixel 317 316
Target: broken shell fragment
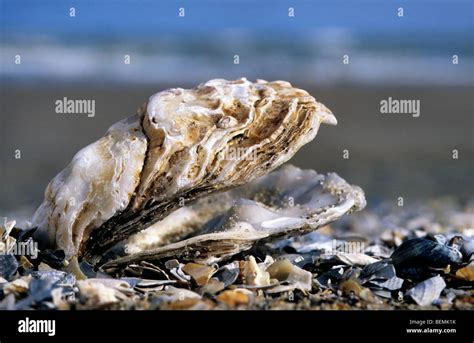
pixel 280 270
pixel 290 276
pixel 189 304
pixel 183 144
pixel 179 275
pixel 228 273
pixel 391 284
pixel 252 274
pixel 199 273
pixel 18 286
pixel 351 286
pixel 235 297
pixel 426 292
pixel 146 270
pixel 8 266
pixel 99 292
pixel 6 229
pixel 380 275
pixel 466 273
pixel 351 259
pixel 60 298
pixel 172 294
pixel 212 287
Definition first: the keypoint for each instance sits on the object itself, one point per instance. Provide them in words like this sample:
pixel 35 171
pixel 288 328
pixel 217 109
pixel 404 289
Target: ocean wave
pixel 193 63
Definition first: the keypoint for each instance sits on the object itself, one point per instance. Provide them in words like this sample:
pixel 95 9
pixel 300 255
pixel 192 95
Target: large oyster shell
pixel 285 202
pixel 181 145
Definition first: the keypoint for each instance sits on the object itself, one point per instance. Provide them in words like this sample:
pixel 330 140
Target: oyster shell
pixel 181 145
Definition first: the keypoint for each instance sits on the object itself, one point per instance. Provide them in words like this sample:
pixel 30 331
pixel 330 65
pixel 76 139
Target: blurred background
pixel 403 57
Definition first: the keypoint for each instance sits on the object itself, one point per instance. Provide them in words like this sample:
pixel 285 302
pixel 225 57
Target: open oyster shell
pixel 285 202
pixel 183 144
